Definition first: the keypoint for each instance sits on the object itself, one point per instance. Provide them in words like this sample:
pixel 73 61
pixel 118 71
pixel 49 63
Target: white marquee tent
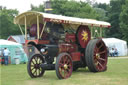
pixel 16 51
pixel 120 45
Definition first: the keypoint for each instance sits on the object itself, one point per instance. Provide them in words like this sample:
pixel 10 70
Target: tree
pixel 91 2
pixel 57 6
pixel 123 21
pixel 73 8
pixel 114 13
pixel 40 8
pixel 70 8
pixel 7 27
pixel 104 6
pixel 102 14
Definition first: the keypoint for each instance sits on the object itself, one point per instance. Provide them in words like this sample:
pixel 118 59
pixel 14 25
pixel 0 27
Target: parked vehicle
pixel 64 43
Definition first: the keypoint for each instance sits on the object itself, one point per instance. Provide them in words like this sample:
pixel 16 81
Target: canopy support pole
pixel 91 32
pixel 21 29
pixel 43 29
pixel 25 28
pixel 97 32
pixel 100 31
pixel 37 26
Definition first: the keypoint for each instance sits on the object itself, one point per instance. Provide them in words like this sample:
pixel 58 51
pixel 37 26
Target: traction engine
pixel 64 44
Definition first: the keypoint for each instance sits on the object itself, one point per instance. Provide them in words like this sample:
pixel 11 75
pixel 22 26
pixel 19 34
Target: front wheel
pixel 34 69
pixel 63 66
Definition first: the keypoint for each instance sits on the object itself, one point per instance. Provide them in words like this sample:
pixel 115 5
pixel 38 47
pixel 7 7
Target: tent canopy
pixel 118 44
pixel 6 42
pixel 113 40
pixel 16 51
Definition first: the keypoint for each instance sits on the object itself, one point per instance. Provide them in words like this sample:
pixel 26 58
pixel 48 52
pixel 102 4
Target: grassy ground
pixel 117 74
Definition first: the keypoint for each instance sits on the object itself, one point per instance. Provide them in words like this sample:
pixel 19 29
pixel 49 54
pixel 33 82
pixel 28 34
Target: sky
pixel 24 5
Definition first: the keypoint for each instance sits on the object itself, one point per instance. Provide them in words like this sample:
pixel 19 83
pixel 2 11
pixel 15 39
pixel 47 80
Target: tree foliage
pixel 114 14
pixel 124 21
pixel 39 8
pixel 7 27
pixel 74 9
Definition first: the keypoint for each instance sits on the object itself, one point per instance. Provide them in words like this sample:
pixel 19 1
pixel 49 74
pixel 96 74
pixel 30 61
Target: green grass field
pixel 117 74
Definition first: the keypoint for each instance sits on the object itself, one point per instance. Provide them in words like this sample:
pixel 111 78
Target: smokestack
pixel 48 8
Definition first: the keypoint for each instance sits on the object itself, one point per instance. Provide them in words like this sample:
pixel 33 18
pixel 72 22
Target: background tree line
pixel 116 13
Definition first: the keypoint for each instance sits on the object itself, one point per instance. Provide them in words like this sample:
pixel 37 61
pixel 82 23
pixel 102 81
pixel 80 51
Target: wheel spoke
pixel 38 72
pixel 40 61
pixel 40 69
pixel 101 46
pixel 65 73
pixel 64 60
pixel 100 64
pixel 32 65
pixel 102 52
pixel 68 61
pixel 34 71
pixel 33 62
pixel 35 59
pixel 60 70
pixel 67 58
pixel 102 59
pixel 69 66
pixel 96 49
pixel 61 65
pixel 32 68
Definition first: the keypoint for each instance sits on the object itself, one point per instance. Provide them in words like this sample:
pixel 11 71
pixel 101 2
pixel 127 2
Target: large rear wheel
pixel 63 66
pixel 96 55
pixel 34 69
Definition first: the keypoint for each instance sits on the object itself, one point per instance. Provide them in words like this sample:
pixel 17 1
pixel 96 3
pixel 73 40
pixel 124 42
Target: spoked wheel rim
pixel 100 55
pixel 64 66
pixel 96 55
pixel 34 68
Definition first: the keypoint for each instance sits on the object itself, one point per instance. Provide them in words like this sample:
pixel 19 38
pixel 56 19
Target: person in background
pixel 116 52
pixel 112 52
pixel 6 53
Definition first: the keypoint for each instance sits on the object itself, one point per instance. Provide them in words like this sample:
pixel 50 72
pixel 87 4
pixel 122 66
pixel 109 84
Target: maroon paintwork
pixel 102 61
pixel 33 29
pixel 65 60
pixel 70 38
pixel 70 46
pixel 82 42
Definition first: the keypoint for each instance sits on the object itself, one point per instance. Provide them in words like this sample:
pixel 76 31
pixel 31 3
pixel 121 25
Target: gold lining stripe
pixel 49 9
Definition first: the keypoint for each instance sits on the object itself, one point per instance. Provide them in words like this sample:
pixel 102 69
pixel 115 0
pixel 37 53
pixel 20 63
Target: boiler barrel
pixel 53 50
